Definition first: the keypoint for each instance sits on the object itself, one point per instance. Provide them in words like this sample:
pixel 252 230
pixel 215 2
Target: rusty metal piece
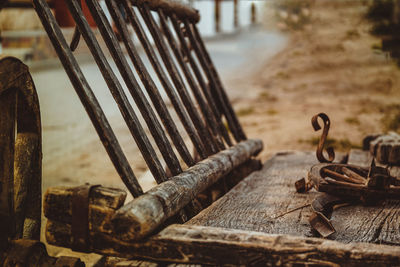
pixel 321 224
pixel 328 177
pixel 340 177
pixel 322 207
pixel 331 153
pixel 80 218
pixel 302 186
pixel 292 210
pixel 353 174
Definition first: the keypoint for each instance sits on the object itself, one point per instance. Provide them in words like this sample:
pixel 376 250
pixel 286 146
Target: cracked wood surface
pixel 254 203
pixel 219 246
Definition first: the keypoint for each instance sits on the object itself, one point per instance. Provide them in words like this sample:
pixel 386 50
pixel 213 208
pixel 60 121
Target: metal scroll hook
pixel 327 123
pixel 76 36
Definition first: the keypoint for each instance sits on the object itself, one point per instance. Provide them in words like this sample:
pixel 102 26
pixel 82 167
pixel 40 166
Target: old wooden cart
pixel 217 206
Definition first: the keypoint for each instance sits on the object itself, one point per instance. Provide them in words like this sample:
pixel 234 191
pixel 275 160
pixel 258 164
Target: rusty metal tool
pixel 327 123
pixel 322 207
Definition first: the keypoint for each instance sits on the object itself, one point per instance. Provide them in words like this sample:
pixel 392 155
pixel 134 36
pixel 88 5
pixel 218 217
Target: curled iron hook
pixel 75 39
pixel 331 153
pixel 76 36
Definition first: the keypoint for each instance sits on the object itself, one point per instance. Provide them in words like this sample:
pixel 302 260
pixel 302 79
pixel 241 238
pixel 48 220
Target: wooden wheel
pixel 20 153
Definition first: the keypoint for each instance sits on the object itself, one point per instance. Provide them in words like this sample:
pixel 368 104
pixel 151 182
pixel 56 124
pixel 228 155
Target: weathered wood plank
pixel 255 202
pixel 219 246
pixel 146 213
pixel 103 202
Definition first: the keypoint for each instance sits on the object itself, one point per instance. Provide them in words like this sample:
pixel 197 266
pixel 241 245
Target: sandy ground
pixel 329 67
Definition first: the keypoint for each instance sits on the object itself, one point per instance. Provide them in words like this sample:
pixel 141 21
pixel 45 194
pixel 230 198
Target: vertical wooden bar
pixel 206 111
pixel 200 80
pixel 187 123
pixel 215 82
pixel 116 90
pixel 210 140
pixel 87 98
pixel 149 84
pixel 140 99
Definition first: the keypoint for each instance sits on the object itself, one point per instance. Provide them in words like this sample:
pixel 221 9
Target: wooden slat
pixel 87 97
pixel 145 214
pixel 255 202
pixel 218 246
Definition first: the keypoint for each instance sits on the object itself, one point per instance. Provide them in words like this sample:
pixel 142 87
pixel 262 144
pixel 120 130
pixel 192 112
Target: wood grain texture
pixel 20 143
pixel 377 224
pixel 255 202
pixel 57 204
pixel 219 246
pixel 146 213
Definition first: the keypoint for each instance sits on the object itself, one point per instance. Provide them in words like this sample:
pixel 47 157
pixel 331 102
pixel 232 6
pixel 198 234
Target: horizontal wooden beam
pixel 143 215
pixel 219 246
pixel 181 10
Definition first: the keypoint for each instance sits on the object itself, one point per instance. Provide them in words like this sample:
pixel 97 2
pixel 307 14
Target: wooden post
pixel 217 16
pixel 253 13
pixel 235 14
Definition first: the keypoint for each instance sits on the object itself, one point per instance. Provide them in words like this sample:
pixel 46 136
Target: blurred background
pixel 281 62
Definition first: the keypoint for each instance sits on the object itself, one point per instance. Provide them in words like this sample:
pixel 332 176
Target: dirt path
pixel 328 67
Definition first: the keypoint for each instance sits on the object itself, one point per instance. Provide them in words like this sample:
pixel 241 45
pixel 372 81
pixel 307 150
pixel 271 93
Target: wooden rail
pixel 205 126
